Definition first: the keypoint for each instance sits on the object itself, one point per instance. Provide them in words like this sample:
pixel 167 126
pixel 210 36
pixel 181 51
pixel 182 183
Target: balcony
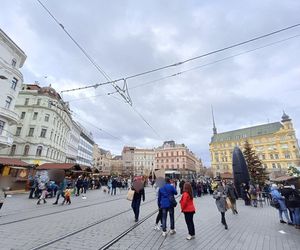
pixel 6 139
pixel 10 116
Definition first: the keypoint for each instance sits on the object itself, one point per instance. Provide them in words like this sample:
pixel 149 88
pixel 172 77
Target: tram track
pixel 76 231
pixel 61 211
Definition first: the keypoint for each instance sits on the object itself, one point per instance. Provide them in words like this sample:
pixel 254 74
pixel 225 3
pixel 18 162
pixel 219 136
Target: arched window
pixel 13 150
pixel 39 151
pixel 26 150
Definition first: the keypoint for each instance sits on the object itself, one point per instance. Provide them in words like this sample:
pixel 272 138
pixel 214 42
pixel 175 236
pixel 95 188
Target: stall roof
pixel 6 161
pixel 284 178
pixel 64 166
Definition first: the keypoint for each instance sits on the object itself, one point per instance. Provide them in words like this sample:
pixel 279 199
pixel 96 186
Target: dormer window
pixel 14 62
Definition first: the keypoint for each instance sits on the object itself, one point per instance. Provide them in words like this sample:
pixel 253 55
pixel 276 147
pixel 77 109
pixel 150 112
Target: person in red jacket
pixel 188 208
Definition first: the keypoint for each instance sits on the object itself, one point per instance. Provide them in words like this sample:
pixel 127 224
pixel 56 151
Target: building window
pixel 13 150
pixel 26 150
pixel 18 131
pixel 287 156
pixel 271 156
pixel 278 165
pixel 31 130
pixel 39 151
pixel 43 132
pixel 263 157
pixel 14 83
pixel 13 62
pixel 23 115
pixel 35 114
pixel 273 165
pixel 38 102
pixel 47 116
pixel 8 102
pixel 2 123
pixel 276 156
pixel 26 101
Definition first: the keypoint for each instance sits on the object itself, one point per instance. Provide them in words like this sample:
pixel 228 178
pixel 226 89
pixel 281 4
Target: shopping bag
pixel 228 203
pixel 130 195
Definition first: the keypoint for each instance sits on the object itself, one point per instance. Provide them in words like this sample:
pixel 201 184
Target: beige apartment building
pixel 177 157
pixel 143 161
pixel 275 144
pixel 102 160
pixel 128 160
pixel 117 165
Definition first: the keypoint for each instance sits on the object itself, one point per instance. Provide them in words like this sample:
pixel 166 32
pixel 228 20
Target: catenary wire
pixel 191 69
pixel 123 92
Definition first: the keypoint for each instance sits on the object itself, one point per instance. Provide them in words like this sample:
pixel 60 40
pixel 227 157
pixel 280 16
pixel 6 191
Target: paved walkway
pixel 252 228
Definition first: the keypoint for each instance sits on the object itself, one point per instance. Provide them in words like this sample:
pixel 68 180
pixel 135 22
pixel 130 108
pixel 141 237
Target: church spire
pixel 214 125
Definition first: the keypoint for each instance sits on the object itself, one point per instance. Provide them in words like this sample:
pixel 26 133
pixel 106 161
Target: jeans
pixel 136 207
pixel 164 218
pixel 31 193
pixel 297 216
pixel 285 214
pixel 113 191
pixel 190 222
pixel 159 216
pixel 58 195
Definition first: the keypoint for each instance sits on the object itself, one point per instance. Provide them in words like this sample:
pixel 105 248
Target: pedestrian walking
pixel 253 195
pixel 61 190
pixel 43 188
pixel 32 187
pixel 245 194
pixel 79 185
pixel 166 201
pixel 188 208
pixel 159 215
pixel 232 196
pixel 220 196
pixel 67 198
pixel 139 194
pixel 282 206
pixel 181 184
pixel 114 184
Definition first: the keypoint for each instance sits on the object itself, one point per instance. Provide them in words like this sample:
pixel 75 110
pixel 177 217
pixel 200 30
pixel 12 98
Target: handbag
pixel 130 194
pixel 275 203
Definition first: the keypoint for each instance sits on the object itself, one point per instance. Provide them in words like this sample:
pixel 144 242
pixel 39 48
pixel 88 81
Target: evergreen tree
pixel 257 172
pixel 293 171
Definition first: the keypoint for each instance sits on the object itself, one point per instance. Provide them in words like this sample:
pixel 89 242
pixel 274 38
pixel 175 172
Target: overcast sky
pixel 128 37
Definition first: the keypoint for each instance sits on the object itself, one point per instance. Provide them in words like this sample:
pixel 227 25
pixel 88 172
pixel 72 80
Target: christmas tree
pixel 293 171
pixel 258 173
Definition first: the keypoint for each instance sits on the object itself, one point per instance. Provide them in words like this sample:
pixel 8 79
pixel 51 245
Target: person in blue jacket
pixel 165 193
pixel 282 209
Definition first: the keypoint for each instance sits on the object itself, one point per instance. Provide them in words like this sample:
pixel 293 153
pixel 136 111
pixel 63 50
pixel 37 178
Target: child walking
pixel 67 196
pixel 188 208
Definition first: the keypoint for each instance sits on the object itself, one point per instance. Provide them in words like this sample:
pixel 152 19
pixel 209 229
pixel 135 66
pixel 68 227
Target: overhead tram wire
pixel 122 92
pixel 192 69
pixel 203 55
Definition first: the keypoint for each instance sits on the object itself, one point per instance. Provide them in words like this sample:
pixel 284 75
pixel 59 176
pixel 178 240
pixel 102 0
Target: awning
pixel 63 166
pixel 284 178
pixel 12 162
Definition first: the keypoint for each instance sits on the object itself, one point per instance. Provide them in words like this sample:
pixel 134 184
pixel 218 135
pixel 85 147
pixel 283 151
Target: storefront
pixel 14 173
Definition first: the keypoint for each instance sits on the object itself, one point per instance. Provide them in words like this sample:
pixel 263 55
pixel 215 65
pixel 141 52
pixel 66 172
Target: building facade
pixel 12 59
pixel 117 165
pixel 275 144
pixel 42 133
pixel 128 160
pixel 85 148
pixel 73 143
pixel 102 160
pixel 177 157
pixel 143 161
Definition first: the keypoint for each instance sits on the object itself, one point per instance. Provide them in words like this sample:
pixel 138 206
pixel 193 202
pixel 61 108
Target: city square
pixel 252 228
pixel 149 124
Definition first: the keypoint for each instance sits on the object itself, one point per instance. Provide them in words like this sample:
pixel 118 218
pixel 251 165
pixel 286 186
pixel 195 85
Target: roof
pixel 226 176
pixel 117 157
pixel 259 130
pixel 64 166
pixel 284 178
pixel 6 161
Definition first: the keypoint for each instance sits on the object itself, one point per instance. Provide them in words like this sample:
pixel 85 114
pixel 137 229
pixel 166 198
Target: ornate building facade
pixel 12 59
pixel 275 144
pixel 143 161
pixel 102 160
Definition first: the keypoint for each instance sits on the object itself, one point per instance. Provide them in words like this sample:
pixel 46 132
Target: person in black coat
pixel 114 184
pixel 181 184
pixel 136 202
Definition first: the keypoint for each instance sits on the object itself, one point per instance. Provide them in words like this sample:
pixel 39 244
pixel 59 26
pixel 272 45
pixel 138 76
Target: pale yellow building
pixel 275 144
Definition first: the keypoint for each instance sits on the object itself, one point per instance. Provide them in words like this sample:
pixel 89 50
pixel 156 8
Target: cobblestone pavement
pixel 252 228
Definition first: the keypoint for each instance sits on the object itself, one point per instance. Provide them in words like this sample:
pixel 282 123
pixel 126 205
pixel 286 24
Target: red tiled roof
pixel 64 166
pixel 13 162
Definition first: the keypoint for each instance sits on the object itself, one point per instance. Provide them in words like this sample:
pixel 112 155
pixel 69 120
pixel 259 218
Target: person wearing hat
pixel 281 200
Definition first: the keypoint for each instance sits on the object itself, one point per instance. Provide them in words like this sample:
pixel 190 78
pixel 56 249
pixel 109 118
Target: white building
pixel 73 143
pixel 143 161
pixel 85 148
pixel 43 132
pixel 12 59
